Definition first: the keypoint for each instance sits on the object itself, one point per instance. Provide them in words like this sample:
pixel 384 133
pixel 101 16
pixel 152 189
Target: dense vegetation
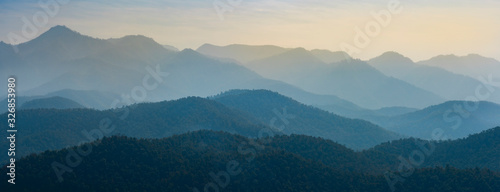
pixel 49 129
pixel 188 161
pixel 292 117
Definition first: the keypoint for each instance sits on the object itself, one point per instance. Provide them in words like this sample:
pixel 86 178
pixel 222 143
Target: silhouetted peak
pixel 477 57
pixel 298 54
pixel 137 38
pixel 393 57
pixel 170 48
pixel 298 50
pixel 206 46
pixel 59 31
pixel 444 57
pixel 189 53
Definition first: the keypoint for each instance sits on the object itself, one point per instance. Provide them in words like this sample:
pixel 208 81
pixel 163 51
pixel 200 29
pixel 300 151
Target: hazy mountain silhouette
pixel 296 118
pixel 119 65
pixel 472 65
pixel 439 81
pixel 51 103
pixel 330 57
pixel 456 119
pixel 54 128
pixel 309 71
pixel 171 48
pixel 291 66
pixel 87 98
pixel 362 84
pixel 241 53
pixel 366 114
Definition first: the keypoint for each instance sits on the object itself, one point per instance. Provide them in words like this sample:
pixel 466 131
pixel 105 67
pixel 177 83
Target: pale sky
pixel 421 30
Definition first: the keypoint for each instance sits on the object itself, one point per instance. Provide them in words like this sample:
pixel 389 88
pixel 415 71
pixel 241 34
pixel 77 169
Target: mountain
pixel 291 66
pixel 367 87
pixel 92 74
pixel 457 119
pixel 446 84
pixel 45 129
pixel 59 44
pixel 87 98
pixel 241 53
pixel 124 64
pixel 171 48
pixel 51 103
pixel 53 129
pixel 367 114
pixel 472 65
pixel 292 117
pixel 192 73
pixel 352 81
pixel 134 52
pixel 61 51
pixel 216 160
pixel 330 57
pixel 477 150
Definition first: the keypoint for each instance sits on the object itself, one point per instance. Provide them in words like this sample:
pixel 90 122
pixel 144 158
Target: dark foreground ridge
pixel 227 162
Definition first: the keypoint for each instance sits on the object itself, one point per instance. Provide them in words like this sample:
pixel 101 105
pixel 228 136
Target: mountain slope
pixel 45 129
pixel 478 150
pixel 330 57
pixel 289 116
pixel 367 87
pixel 207 159
pixel 241 53
pixel 456 118
pixel 472 65
pixel 87 98
pixel 127 61
pixel 290 66
pixel 442 82
pixel 51 102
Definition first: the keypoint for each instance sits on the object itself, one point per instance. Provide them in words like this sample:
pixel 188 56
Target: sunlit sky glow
pixel 422 30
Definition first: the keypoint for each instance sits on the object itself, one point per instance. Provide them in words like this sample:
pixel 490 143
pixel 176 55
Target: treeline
pixel 228 162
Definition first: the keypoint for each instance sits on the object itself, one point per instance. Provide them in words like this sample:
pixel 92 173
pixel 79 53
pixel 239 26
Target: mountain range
pixel 195 160
pixel 240 117
pixel 446 84
pixel 47 128
pixel 87 63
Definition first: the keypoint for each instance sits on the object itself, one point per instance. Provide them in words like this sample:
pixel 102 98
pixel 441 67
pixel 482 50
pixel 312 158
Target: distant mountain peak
pixel 448 56
pixel 391 57
pixel 299 50
pixel 136 37
pixel 171 48
pixel 299 53
pixel 328 56
pixel 394 57
pixel 189 53
pixel 59 30
pixel 205 45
